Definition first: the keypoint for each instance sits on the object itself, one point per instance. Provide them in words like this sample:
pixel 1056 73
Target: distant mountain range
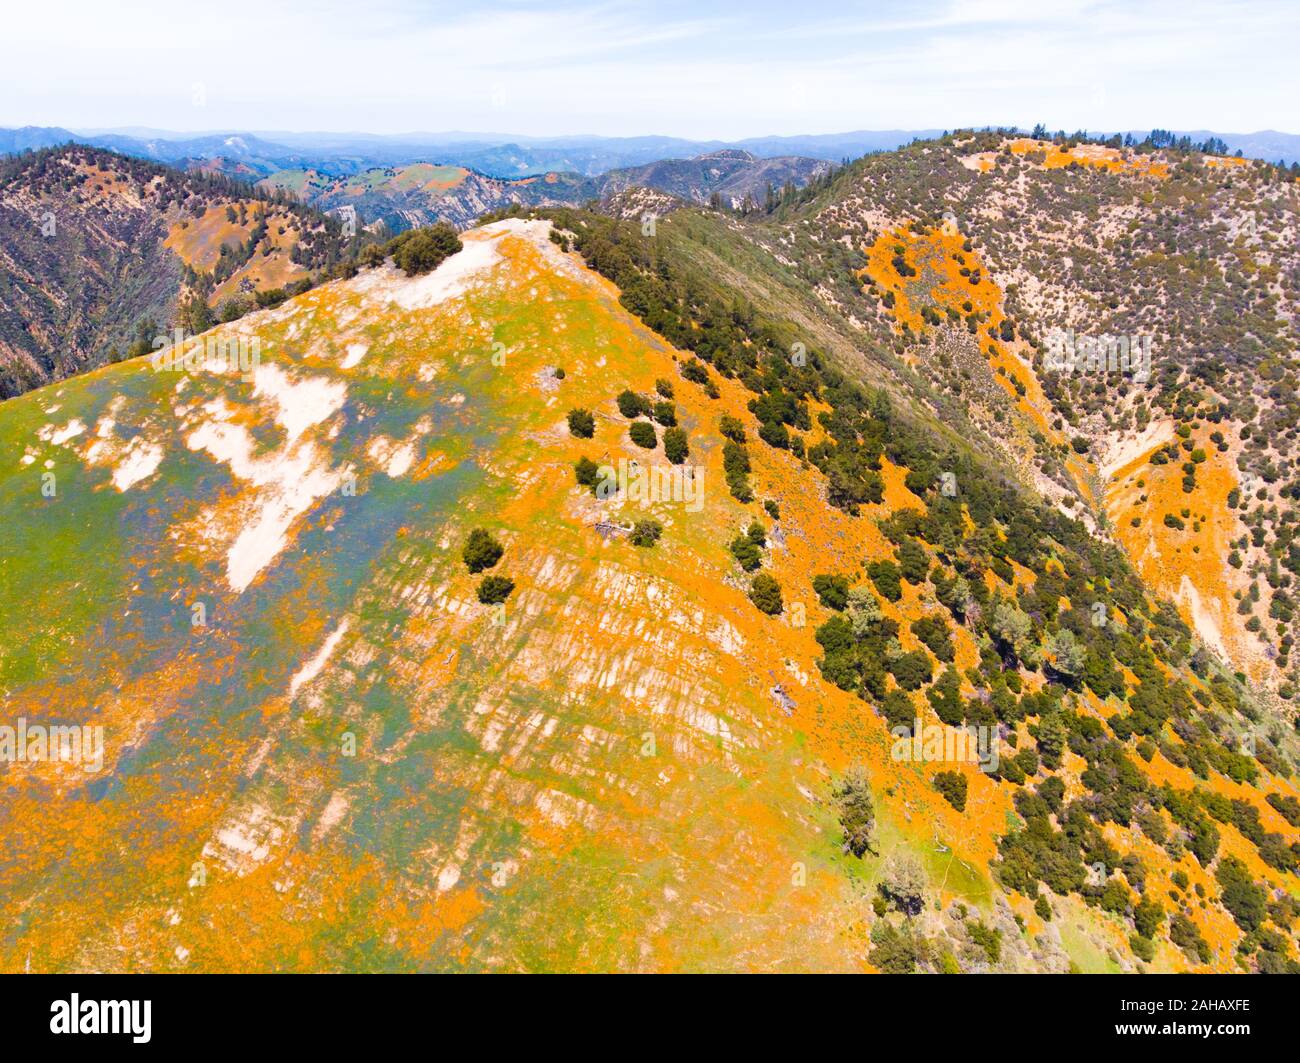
pixel 415 194
pixel 260 154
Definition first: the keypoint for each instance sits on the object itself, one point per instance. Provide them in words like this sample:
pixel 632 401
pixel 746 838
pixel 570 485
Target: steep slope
pixel 983 257
pixel 94 245
pixel 322 751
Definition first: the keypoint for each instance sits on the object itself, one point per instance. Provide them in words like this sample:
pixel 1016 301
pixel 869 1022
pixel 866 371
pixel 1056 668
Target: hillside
pixel 730 177
pixel 405 197
pixel 666 745
pixel 969 255
pixel 99 252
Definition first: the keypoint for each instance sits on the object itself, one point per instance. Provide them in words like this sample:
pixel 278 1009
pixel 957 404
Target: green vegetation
pixel 642 433
pixel 481 550
pixel 746 552
pixel 582 424
pixel 493 590
pixel 676 448
pixel 857 812
pixel 1039 648
pixel 646 533
pixel 952 784
pixel 832 591
pixel 422 250
pixel 765 593
pixel 631 405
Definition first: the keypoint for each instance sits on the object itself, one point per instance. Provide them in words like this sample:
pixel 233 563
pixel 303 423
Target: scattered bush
pixel 765 593
pixel 676 448
pixel 481 550
pixel 832 591
pixel 495 589
pixel 884 574
pixel 631 405
pixel 857 813
pixel 642 433
pixel 646 533
pixel 746 552
pixel 582 424
pixel 952 784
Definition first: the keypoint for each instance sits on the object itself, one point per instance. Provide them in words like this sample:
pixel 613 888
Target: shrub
pixel 952 784
pixel 933 632
pixel 912 670
pixel 495 589
pixel 765 593
pixel 646 532
pixel 1286 806
pixel 735 464
pixel 832 591
pixel 884 574
pixel 895 951
pixel 694 371
pixel 857 813
pixel 945 698
pixel 913 561
pixel 903 884
pixel 1148 916
pixel 631 405
pixel 587 471
pixel 731 428
pixel 986 938
pixel 1143 948
pixel 664 387
pixel 582 424
pixel 481 551
pixel 1183 933
pixel 899 711
pixel 676 449
pixel 642 434
pixel 1245 901
pixel 422 250
pixel 746 551
pixel 774 434
pixel 665 413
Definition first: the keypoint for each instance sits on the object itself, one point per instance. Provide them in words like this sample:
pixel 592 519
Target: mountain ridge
pixel 631 747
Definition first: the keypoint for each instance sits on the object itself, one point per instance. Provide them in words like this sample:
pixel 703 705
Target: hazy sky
pixel 720 69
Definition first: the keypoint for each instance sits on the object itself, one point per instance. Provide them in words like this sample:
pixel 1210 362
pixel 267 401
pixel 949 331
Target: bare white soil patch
pixel 1127 449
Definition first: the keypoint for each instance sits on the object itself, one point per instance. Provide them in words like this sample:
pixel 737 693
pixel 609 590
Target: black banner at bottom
pixel 225 1013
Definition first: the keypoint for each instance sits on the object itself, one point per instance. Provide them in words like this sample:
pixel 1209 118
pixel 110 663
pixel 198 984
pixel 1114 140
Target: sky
pixel 705 70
